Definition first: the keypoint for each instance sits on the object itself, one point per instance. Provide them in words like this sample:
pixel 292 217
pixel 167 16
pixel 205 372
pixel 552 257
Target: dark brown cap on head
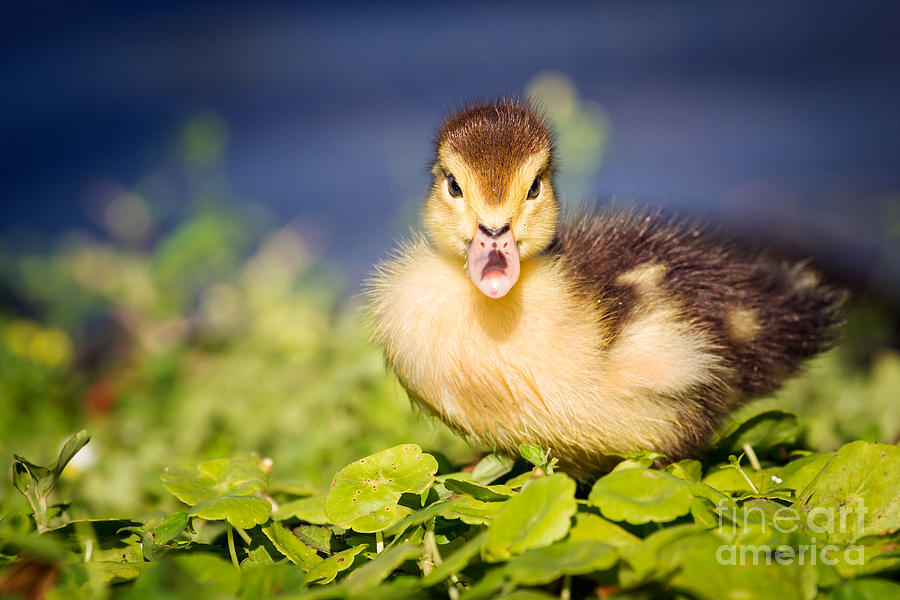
pixel 497 135
pixel 506 127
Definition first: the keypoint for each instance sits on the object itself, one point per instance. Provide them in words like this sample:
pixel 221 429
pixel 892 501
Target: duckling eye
pixel 453 187
pixel 535 188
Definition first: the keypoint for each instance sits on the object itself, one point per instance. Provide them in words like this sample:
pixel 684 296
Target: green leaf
pixel 22 477
pixel 70 449
pixel 533 454
pixel 213 478
pixel 325 571
pixel 640 560
pixel 35 483
pixel 364 494
pixel 689 469
pixel 489 493
pixel 539 515
pixel 590 527
pixel 262 552
pixel 421 516
pixel 706 514
pixel 761 424
pixel 413 535
pixel 314 536
pixel 489 586
pixel 272 580
pixel 491 467
pixel 701 489
pixel 866 589
pixel 471 511
pixel 311 510
pixel 543 565
pixel 888 554
pixel 240 511
pixel 641 496
pixel 639 459
pixel 375 571
pixel 258 555
pixel 798 473
pixel 398 587
pixel 699 565
pixel 856 494
pixel 170 526
pixel 288 544
pixel 103 539
pixel 521 479
pixel 868 555
pixel 110 571
pixel 725 478
pixel 36 472
pixel 207 576
pixel 155 539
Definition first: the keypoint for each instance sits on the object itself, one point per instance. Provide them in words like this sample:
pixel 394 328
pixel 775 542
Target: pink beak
pixel 493 260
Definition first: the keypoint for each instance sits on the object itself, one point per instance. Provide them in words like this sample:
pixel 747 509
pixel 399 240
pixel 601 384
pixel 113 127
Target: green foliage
pixel 820 525
pixel 859 474
pixel 640 496
pixel 537 516
pixel 36 483
pixel 364 495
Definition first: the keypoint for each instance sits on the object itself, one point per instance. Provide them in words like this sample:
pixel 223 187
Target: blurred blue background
pixel 779 120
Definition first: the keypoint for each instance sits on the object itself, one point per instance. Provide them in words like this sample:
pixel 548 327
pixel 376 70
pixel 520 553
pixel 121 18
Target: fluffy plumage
pixel 614 332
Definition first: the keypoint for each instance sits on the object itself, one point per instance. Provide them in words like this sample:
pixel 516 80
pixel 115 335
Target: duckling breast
pixel 540 365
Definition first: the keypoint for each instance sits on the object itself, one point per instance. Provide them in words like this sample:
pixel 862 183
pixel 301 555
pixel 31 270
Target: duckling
pixel 594 335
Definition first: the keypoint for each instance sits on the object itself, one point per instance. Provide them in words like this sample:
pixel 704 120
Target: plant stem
pixel 230 533
pixel 751 456
pixel 40 513
pixel 38 520
pixel 747 479
pixel 379 542
pixel 434 556
pixel 244 535
pixel 566 592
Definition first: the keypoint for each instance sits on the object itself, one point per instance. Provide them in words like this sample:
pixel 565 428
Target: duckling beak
pixel 492 260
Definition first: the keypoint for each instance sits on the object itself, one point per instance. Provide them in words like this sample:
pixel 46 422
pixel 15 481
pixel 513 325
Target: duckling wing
pixel 766 316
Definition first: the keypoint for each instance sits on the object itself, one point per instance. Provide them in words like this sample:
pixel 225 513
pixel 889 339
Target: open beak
pixel 493 260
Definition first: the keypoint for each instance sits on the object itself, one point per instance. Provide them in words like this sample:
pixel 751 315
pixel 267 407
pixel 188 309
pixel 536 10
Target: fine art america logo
pixel 824 521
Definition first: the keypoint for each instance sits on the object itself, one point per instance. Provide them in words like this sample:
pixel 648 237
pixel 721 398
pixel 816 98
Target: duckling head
pixel 492 202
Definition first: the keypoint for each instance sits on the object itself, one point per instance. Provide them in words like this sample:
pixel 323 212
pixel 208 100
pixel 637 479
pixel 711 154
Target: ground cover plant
pixel 239 437
pixel 403 523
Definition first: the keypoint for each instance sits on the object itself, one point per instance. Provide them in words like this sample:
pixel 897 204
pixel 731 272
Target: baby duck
pixel 595 336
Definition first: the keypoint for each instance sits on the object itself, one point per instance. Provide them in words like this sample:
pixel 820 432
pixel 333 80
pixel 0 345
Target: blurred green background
pixel 220 336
